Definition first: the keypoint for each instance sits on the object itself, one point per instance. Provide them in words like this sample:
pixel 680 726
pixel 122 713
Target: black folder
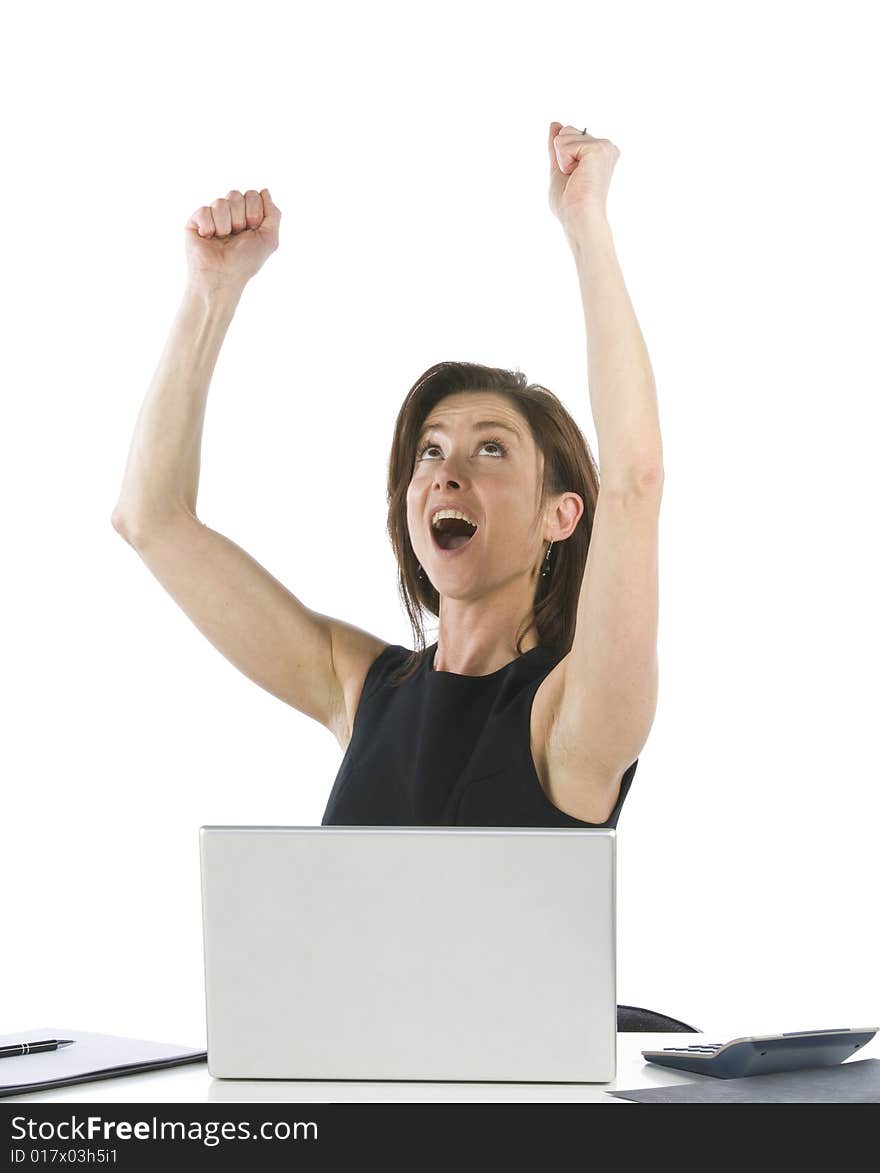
pixel 92 1056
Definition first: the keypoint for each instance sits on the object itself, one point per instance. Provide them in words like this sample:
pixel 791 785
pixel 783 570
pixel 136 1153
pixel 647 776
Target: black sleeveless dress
pixel 444 749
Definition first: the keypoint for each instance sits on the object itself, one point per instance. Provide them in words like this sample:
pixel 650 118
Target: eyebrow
pixel 480 424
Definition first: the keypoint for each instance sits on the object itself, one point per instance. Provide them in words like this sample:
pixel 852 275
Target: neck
pixel 477 653
pixel 477 636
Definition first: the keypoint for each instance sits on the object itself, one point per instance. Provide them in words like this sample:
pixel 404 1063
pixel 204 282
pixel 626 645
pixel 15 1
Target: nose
pixel 442 477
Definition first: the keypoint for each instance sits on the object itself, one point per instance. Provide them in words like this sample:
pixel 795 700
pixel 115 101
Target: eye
pixel 497 444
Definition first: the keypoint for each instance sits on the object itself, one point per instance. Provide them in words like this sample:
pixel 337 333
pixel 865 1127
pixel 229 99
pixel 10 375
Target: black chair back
pixel 637 1018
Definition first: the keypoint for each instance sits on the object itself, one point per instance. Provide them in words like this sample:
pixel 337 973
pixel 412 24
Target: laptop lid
pixel 425 953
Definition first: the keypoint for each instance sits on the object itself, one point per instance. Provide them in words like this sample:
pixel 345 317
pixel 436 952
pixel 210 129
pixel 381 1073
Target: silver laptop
pixel 424 953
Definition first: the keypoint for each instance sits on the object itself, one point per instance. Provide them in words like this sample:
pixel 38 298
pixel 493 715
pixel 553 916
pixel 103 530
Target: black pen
pixel 6 1052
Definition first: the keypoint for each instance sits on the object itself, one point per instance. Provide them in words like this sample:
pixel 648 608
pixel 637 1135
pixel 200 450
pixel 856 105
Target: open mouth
pixel 451 533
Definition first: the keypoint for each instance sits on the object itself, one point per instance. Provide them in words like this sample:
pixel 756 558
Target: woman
pixel 533 704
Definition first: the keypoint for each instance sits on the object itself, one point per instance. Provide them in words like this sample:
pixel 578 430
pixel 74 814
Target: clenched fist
pixel 227 243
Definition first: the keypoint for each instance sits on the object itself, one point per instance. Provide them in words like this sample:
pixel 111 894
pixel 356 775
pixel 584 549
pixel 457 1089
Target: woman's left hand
pixel 580 172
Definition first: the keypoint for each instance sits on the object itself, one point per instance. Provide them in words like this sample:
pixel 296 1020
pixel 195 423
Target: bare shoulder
pixel 571 784
pixel 354 650
pixel 544 709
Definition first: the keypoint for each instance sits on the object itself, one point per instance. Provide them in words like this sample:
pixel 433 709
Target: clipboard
pixel 93 1056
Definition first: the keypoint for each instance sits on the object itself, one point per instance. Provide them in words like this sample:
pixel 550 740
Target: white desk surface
pixel 192 1084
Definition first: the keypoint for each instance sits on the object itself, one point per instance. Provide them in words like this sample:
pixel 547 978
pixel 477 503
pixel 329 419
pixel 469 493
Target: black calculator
pixel 764 1054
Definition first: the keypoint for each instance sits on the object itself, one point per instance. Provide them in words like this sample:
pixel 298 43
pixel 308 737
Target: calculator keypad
pixel 699 1049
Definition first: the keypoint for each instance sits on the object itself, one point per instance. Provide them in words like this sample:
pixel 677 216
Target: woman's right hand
pixel 227 243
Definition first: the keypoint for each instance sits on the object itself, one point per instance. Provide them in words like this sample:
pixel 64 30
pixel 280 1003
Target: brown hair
pixel 568 468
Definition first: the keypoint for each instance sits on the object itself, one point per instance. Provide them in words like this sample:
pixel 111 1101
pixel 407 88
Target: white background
pixel 407 148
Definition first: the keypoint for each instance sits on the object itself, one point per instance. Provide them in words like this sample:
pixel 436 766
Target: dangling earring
pixel 545 569
pixel 420 573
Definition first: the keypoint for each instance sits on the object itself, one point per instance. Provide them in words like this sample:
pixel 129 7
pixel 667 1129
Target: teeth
pixel 452 513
